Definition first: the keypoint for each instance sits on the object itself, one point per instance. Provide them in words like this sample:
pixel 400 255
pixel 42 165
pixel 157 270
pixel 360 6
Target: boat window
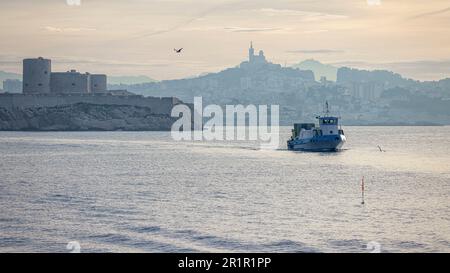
pixel 331 132
pixel 329 121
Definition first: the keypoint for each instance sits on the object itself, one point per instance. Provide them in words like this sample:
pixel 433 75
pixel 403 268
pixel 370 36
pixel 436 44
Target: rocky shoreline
pixel 84 117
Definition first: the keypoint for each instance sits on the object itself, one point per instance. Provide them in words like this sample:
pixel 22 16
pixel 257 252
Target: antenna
pixel 327 108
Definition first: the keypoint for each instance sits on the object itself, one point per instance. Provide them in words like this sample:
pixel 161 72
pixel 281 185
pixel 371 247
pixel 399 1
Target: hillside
pixel 319 69
pixel 390 79
pixel 246 81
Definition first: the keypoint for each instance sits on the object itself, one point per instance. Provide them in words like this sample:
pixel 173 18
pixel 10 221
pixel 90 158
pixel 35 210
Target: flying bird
pixel 178 50
pixel 381 150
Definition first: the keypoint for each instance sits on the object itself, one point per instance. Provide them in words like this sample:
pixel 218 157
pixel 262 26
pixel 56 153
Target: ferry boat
pixel 328 137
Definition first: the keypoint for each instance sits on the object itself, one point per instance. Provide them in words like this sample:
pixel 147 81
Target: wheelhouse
pixel 328 121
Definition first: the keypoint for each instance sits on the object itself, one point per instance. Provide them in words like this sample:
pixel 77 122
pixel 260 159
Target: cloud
pixel 237 29
pixel 10 59
pixel 244 29
pixel 432 13
pixel 67 30
pixel 315 31
pixel 111 62
pixel 75 61
pixel 189 21
pixel 373 2
pixel 315 51
pixel 306 16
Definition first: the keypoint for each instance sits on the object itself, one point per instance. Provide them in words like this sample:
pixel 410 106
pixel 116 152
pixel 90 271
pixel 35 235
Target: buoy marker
pixel 362 191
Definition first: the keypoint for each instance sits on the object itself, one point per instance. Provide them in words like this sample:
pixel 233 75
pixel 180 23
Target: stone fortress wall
pixel 158 105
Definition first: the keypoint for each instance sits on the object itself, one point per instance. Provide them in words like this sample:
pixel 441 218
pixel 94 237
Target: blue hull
pixel 328 143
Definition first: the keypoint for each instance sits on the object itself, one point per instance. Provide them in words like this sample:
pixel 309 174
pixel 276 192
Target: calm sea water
pixel 143 192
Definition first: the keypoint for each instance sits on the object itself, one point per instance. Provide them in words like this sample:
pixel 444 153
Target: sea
pixel 145 192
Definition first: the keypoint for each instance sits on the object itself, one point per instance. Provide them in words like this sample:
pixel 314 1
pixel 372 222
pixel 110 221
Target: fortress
pixel 44 88
pixel 38 78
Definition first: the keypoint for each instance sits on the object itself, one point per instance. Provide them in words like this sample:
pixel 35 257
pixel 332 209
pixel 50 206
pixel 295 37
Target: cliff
pixel 84 117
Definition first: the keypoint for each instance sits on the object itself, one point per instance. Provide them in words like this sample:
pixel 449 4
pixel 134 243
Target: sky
pixel 137 37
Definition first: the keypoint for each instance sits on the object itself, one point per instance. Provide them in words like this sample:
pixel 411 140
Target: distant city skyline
pixel 137 37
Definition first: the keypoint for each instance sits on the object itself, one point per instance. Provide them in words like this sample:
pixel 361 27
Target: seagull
pixel 178 50
pixel 381 150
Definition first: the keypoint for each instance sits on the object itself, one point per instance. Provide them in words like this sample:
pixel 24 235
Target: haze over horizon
pixel 137 37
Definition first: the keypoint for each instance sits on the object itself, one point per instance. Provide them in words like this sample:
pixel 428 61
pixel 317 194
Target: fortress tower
pixel 98 83
pixel 36 76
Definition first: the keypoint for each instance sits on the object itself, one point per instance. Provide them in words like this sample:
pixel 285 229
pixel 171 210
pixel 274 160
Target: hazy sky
pixel 137 37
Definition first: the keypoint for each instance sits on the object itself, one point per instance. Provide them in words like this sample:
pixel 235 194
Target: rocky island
pixel 74 101
pixel 84 117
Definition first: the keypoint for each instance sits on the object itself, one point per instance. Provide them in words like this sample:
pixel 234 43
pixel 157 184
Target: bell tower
pixel 251 53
